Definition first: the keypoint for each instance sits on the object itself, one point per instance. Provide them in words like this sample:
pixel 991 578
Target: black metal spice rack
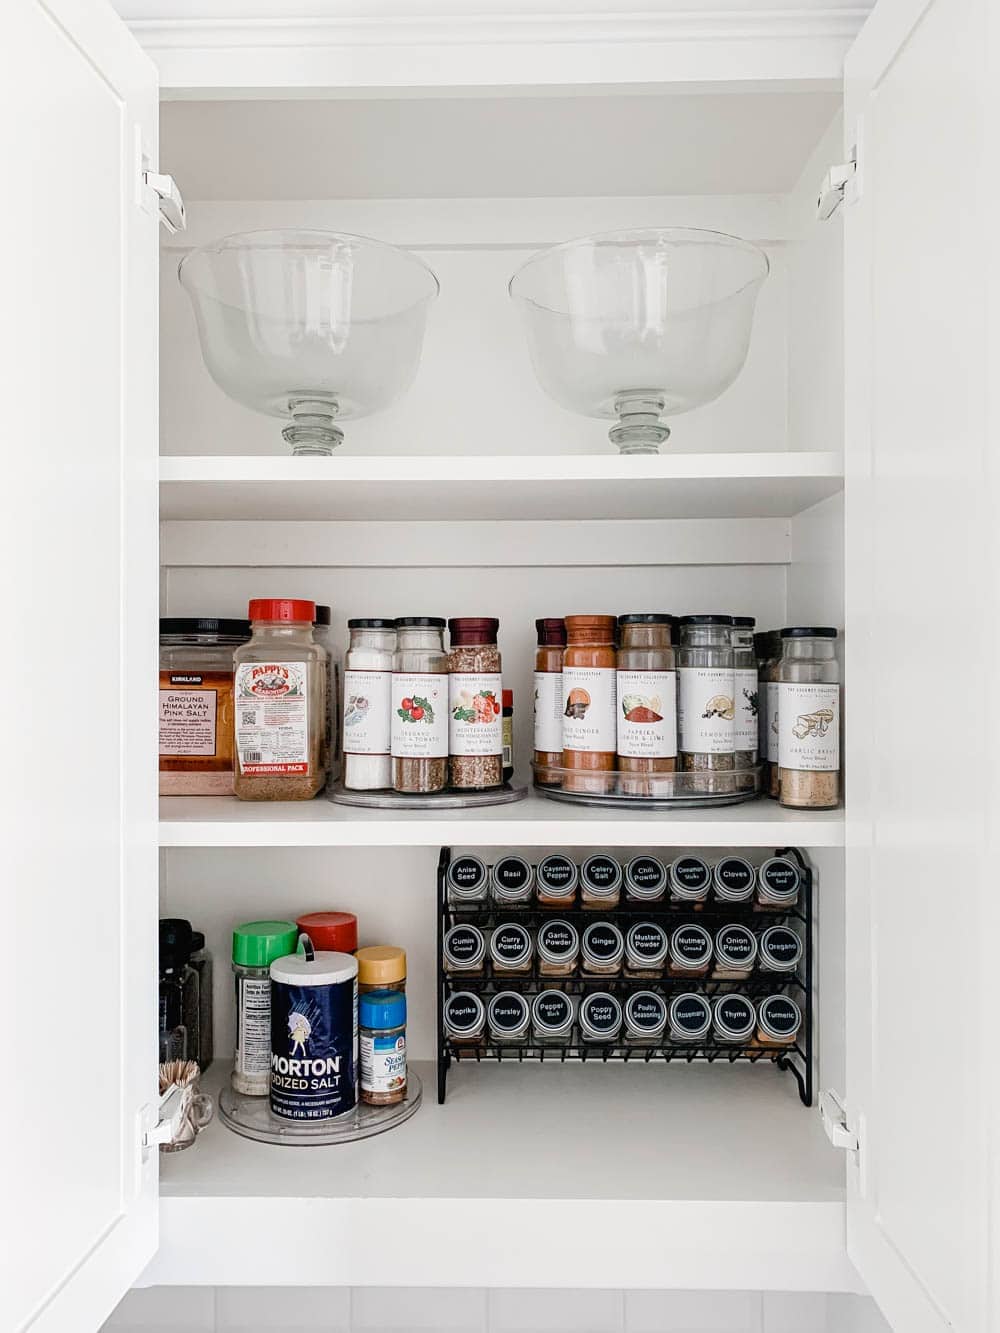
pixel 796 1059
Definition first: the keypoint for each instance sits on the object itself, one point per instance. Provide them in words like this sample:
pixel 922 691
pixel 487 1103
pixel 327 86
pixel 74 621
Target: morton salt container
pixel 314 1034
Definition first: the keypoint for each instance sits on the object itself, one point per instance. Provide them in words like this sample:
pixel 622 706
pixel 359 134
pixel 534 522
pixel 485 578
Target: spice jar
pixel 511 950
pixel 770 677
pixel 735 953
pixel 464 1018
pixel 382 1041
pixel 475 725
pixel 645 1018
pixel 646 949
pixel 333 932
pixel 513 882
pixel 367 727
pixel 602 948
pixel 256 945
pixel 809 719
pixel 508 734
pixel 645 880
pixel 600 881
pixel 746 696
pixel 468 881
pixel 768 649
pixel 197 745
pixel 779 1019
pixel 419 722
pixel 706 709
pixel 381 967
pixel 555 881
pixel 733 1018
pixel 778 881
pixel 779 949
pixel 548 720
pixel 314 1034
pixel 179 1008
pixel 281 701
pixel 323 635
pixel 690 1017
pixel 464 951
pixel 558 946
pixel 647 701
pixel 690 878
pixel 734 879
pixel 600 1018
pixel 690 952
pixel 509 1018
pixel 552 1016
pixel 590 703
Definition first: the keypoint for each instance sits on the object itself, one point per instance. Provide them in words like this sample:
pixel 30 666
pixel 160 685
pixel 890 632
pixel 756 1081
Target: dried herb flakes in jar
pixel 475 704
pixel 707 705
pixel 419 724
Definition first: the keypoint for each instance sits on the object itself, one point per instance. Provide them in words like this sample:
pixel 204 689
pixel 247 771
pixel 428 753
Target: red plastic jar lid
pixel 335 931
pixel 282 608
pixel 508 698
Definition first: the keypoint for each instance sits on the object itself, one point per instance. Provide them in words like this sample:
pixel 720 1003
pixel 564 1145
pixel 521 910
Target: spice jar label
pixel 187 715
pixel 508 1012
pixel 548 711
pixel 601 1014
pixel 511 876
pixel 646 1012
pixel 272 717
pixel 779 1015
pixel 601 874
pixel 647 942
pixel 466 874
pixel 745 724
pixel 781 948
pixel 735 944
pixel 645 876
pixel 462 1012
pixel 734 1015
pixel 690 944
pixel 690 1014
pixel 510 944
pixel 367 712
pixel 475 725
pixel 602 941
pixel 647 714
pixel 552 1009
pixel 557 874
pixel 590 703
pixel 707 710
pixel 558 938
pixel 809 727
pixel 772 721
pixel 734 878
pixel 383 1063
pixel 464 945
pixel 779 878
pixel 690 874
pixel 419 715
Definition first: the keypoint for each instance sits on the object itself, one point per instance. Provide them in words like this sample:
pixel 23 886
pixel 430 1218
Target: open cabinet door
pixel 78 109
pixel 921 671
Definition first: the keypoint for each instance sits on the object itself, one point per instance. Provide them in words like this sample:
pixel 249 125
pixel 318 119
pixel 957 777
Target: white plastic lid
pixel 325 968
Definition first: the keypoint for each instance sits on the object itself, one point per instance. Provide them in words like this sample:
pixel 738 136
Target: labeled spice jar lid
pixel 381 965
pixel 510 945
pixel 473 629
pixel 601 876
pixel 331 930
pixel 690 1016
pixel 734 879
pixel 512 879
pixel 645 1014
pixel 259 943
pixel 602 944
pixel 552 1013
pixel 645 877
pixel 466 877
pixel 600 1017
pixel 557 876
pixel 780 949
pixel 464 946
pixel 558 942
pixel 224 629
pixel 289 609
pixel 371 622
pixel 779 879
pixel 779 1017
pixel 508 1015
pixel 464 1014
pixel 382 1009
pixel 420 622
pixel 646 945
pixel 690 878
pixel 323 968
pixel 551 631
pixel 690 946
pixel 734 1017
pixel 736 946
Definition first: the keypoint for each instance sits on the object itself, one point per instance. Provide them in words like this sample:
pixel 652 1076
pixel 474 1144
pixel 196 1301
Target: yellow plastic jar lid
pixel 380 965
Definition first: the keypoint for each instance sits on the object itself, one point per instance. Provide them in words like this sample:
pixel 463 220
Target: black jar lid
pixel 647 618
pixel 734 1015
pixel 371 622
pixel 707 620
pixel 744 622
pixel 323 616
pixel 230 629
pixel 551 631
pixel 420 622
pixel 464 1013
pixel 808 632
pixel 779 1016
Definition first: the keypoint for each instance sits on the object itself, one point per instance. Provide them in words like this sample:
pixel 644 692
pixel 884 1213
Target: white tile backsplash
pixel 165 1310
pixel 408 1309
pixel 283 1310
pixel 556 1311
pixel 693 1312
pixel 795 1312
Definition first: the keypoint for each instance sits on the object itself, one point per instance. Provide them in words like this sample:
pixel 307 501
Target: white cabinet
pixel 445 134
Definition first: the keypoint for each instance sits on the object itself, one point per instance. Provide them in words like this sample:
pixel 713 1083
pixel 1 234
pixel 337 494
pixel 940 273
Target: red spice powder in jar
pixel 590 701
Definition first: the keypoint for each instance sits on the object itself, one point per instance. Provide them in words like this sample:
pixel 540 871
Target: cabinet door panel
pixel 78 106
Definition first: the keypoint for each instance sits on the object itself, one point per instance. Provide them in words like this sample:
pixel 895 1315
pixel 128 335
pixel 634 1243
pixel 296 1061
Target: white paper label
pixel 475 723
pixel 809 727
pixel 590 706
pixel 548 712
pixel 707 710
pixel 187 722
pixel 272 717
pixel 383 1062
pixel 367 712
pixel 253 1026
pixel 745 724
pixel 419 715
pixel 647 714
pixel 772 721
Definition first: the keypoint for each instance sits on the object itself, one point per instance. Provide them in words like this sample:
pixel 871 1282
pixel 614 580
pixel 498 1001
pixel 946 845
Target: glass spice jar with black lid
pixel 464 951
pixel 779 1019
pixel 513 882
pixel 690 952
pixel 645 1018
pixel 706 703
pixel 602 948
pixel 733 1018
pixel 511 950
pixel 779 949
pixel 508 1016
pixel 600 1018
pixel 475 704
pixel 600 881
pixel 558 946
pixel 556 878
pixel 690 880
pixel 468 881
pixel 553 1014
pixel 734 879
pixel 778 882
pixel 735 953
pixel 646 949
pixel 690 1017
pixel 645 879
pixel 464 1018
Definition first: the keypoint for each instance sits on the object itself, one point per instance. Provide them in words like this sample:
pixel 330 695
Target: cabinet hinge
pixel 173 214
pixel 162 1123
pixel 835 189
pixel 834 1117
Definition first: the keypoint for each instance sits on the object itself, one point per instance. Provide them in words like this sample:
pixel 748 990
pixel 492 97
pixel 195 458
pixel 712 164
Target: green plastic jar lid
pixel 259 943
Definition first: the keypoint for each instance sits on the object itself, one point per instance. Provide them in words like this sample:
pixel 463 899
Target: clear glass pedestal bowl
pixel 312 327
pixel 640 325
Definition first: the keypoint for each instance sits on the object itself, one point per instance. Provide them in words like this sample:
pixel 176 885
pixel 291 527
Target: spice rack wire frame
pixel 796 1059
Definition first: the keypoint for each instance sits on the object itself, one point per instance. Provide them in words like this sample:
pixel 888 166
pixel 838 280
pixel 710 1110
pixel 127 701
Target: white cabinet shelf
pixel 220 821
pixel 551 486
pixel 529 1176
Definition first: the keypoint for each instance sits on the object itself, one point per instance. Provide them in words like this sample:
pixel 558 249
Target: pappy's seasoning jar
pixel 281 702
pixel 549 703
pixel 809 719
pixel 558 947
pixel 419 723
pixel 590 702
pixel 707 706
pixel 197 745
pixel 600 881
pixel 475 704
pixel 647 701
pixel 556 879
pixel 368 704
pixel 314 1035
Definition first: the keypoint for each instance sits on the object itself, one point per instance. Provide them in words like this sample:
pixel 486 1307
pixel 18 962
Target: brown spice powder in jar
pixel 555 881
pixel 549 700
pixel 475 704
pixel 558 947
pixel 778 1021
pixel 809 718
pixel 590 703
pixel 647 702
